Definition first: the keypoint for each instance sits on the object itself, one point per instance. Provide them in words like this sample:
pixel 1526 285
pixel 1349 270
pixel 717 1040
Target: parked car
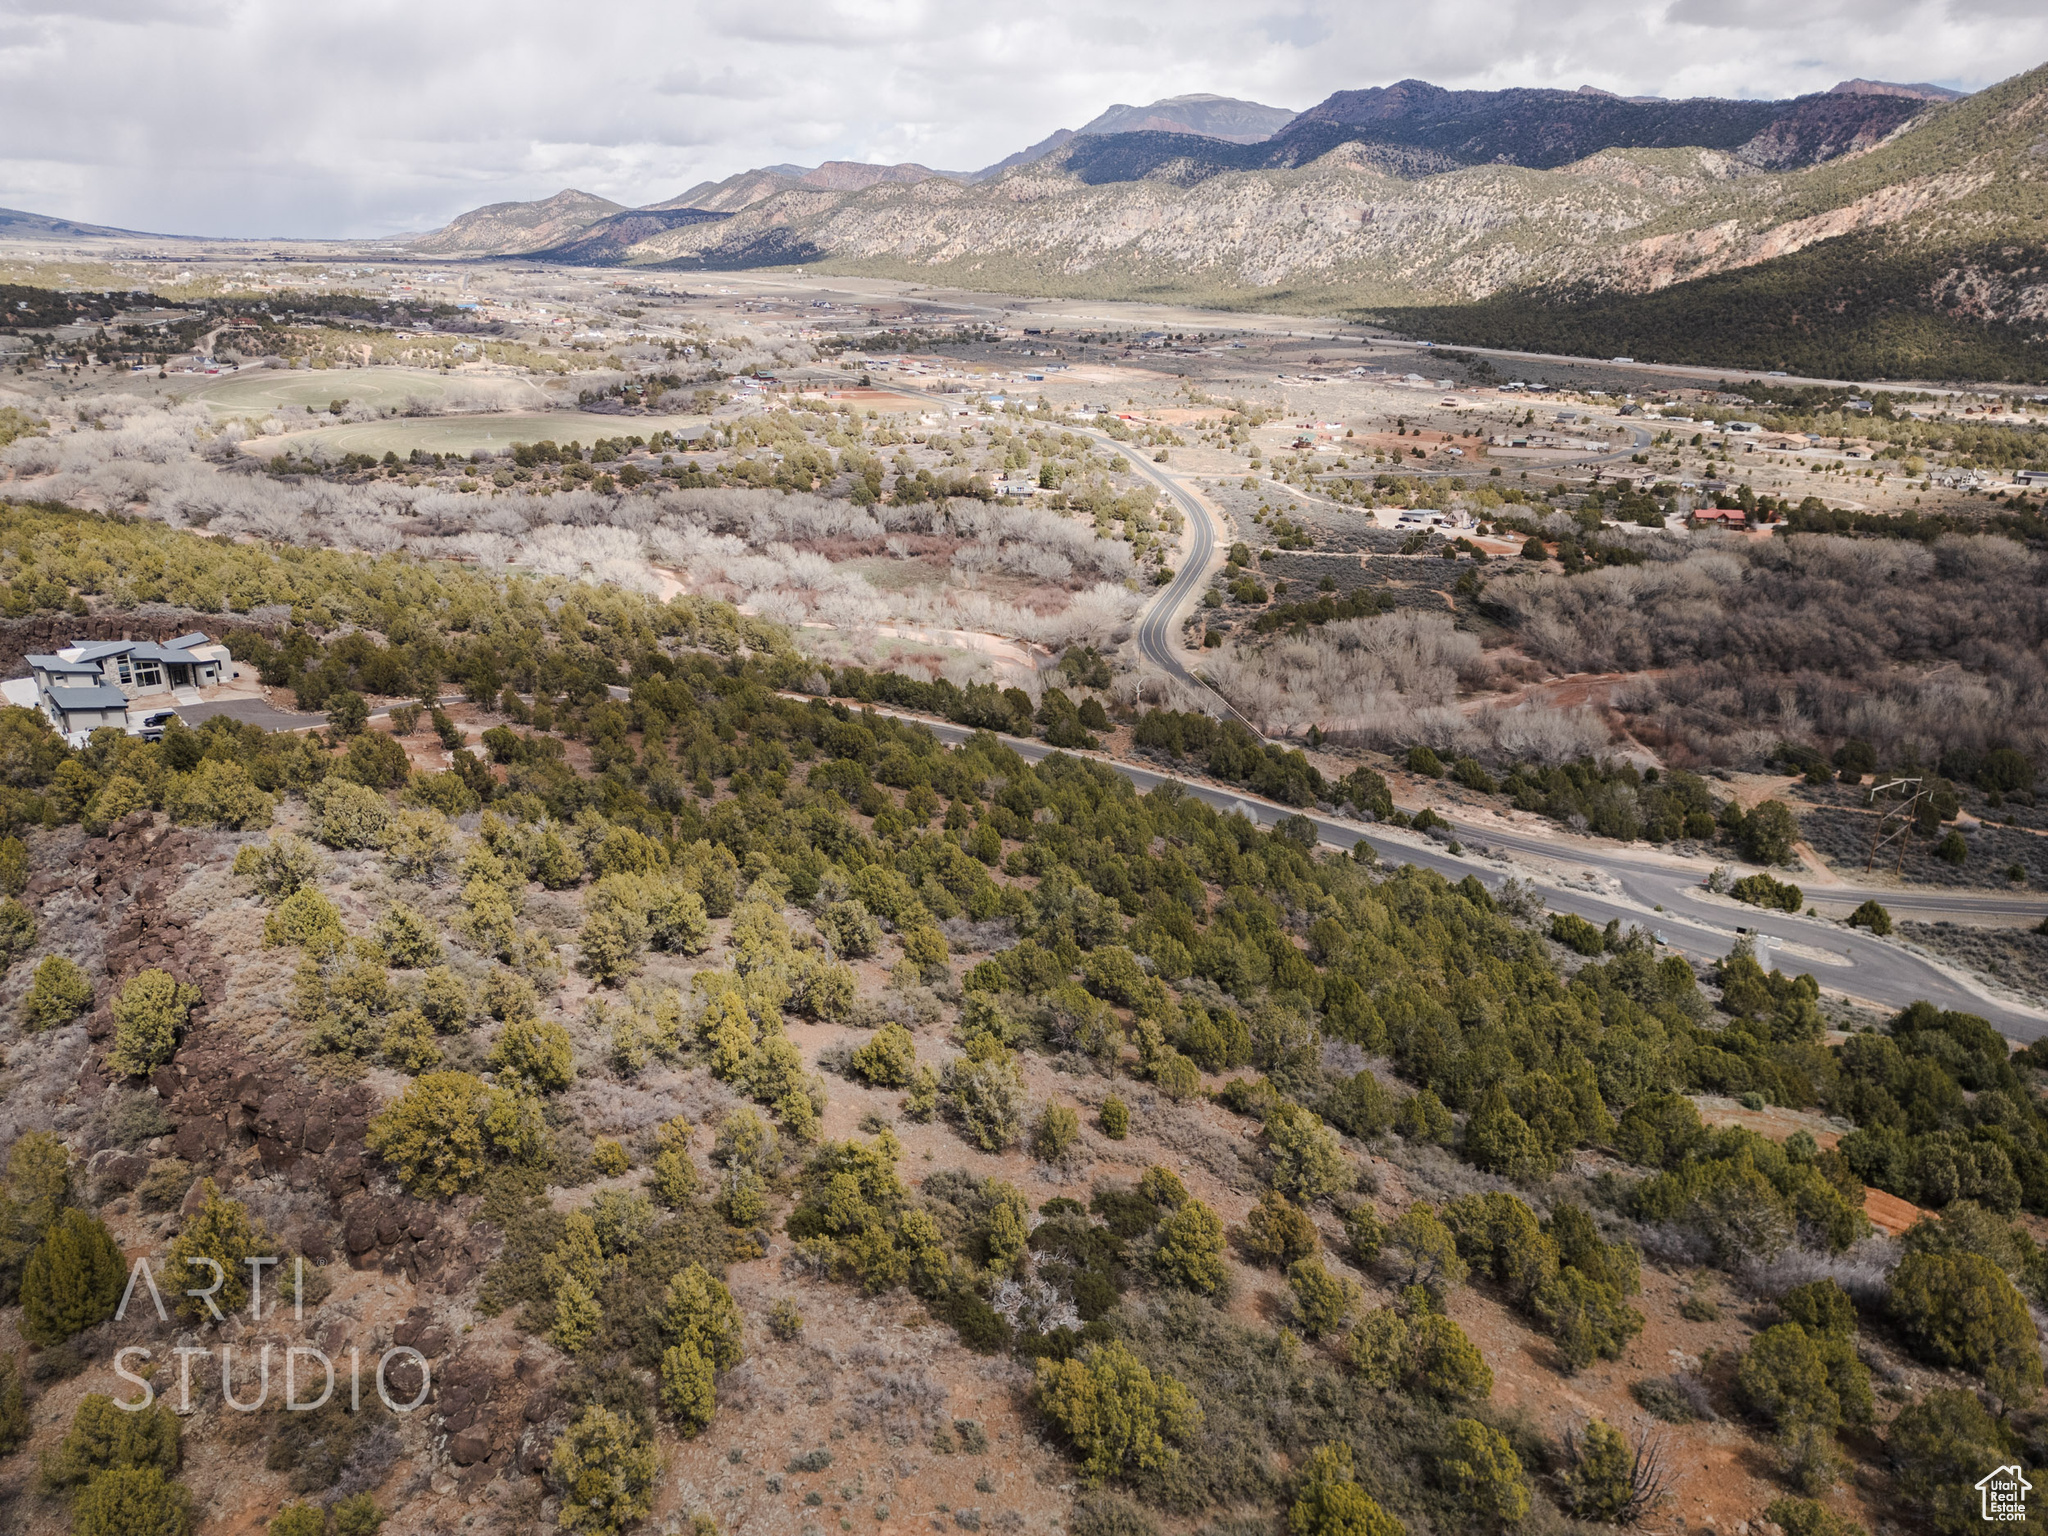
pixel 154 722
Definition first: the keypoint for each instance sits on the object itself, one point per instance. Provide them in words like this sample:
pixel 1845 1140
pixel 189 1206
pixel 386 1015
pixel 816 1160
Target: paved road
pixel 1845 961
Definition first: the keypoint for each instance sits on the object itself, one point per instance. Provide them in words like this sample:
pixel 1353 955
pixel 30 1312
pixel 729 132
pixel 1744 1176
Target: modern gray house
pixel 95 683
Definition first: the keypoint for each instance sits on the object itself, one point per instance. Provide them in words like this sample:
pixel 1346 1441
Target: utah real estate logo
pixel 2005 1491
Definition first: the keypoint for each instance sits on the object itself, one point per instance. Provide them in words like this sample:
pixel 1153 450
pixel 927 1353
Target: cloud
pixel 262 118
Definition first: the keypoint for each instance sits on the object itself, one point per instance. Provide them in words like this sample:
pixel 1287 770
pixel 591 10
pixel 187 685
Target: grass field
pixel 466 434
pixel 268 389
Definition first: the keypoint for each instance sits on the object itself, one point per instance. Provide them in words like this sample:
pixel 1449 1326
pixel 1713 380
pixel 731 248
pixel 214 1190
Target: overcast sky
pixel 266 118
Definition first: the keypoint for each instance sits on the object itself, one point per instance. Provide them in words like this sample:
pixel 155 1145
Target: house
pixel 79 711
pixel 1720 517
pixel 2004 1491
pixel 90 683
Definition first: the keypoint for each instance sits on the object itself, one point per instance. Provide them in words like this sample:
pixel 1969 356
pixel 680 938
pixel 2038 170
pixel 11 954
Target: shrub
pixel 13 865
pixel 851 929
pixel 72 1280
pixel 223 1232
pixel 1307 1162
pixel 537 1051
pixel 17 932
pixel 1190 1250
pixel 1784 1381
pixel 149 1015
pixel 1441 1361
pixel 347 712
pixel 673 1175
pixel 59 994
pixel 986 1099
pixel 106 1437
pixel 1961 1310
pixel 407 939
pixel 1423 1251
pixel 1054 1133
pixel 1600 1474
pixel 1764 891
pixel 1586 1316
pixel 306 920
pixel 1874 917
pixel 1116 1118
pixel 1330 1502
pixel 1423 761
pixel 1576 934
pixel 348 815
pixel 608 1157
pixel 609 945
pixel 1321 1301
pixel 1481 1472
pixel 35 1193
pixel 419 844
pixel 1422 1117
pixel 1118 1416
pixel 1176 1076
pixel 1364 1233
pixel 886 1060
pixel 298 1520
pixel 689 1394
pixel 578 1317
pixel 605 1472
pixel 14 1419
pixel 1277 1232
pixel 448 1128
pixel 1941 1445
pixel 1501 1141
pixel 218 794
pixel 785 1321
pixel 697 1310
pixel 132 1501
pixel 1768 833
pixel 281 866
pixel 165 1183
pixel 1952 849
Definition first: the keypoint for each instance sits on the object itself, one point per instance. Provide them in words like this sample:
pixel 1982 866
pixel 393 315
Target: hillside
pixel 691 1094
pixel 1214 117
pixel 512 228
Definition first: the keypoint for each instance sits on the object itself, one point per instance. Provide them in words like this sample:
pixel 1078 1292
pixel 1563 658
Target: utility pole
pixel 1886 832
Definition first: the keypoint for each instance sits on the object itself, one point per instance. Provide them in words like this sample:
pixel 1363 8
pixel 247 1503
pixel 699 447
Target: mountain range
pixel 1871 230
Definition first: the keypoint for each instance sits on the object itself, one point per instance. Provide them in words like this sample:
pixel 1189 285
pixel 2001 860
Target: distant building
pixel 91 683
pixel 1720 517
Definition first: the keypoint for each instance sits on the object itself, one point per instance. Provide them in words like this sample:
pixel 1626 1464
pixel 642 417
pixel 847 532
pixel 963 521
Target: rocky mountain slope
pixel 499 228
pixel 1407 193
pixel 1408 201
pixel 1214 117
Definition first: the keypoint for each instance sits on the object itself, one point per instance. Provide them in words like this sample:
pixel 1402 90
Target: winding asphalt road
pixel 1657 893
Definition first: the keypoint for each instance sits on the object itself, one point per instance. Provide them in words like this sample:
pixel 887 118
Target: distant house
pixel 90 683
pixel 1720 517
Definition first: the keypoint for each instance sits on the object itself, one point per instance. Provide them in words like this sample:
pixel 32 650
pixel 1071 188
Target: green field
pixel 466 434
pixel 271 389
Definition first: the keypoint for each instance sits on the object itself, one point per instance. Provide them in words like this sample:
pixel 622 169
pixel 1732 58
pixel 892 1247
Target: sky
pixel 263 118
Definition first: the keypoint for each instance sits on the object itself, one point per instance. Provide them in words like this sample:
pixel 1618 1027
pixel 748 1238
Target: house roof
pixel 59 664
pixel 101 697
pixel 197 637
pixel 93 650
